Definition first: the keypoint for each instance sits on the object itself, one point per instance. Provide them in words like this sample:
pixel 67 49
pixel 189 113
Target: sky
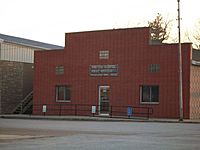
pixel 49 20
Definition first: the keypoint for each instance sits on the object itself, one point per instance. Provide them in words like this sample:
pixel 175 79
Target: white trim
pixel 140 94
pixel 153 103
pixel 103 114
pixel 67 101
pixel 194 62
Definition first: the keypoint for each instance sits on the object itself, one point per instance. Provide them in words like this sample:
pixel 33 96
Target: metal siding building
pixel 20 49
pixel 18 53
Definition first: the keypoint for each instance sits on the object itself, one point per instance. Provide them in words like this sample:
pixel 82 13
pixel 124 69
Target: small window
pixel 103 54
pixel 154 68
pixel 149 94
pixel 63 93
pixel 59 70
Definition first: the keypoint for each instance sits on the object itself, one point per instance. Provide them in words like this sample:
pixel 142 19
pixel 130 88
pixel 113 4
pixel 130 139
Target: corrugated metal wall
pixel 14 52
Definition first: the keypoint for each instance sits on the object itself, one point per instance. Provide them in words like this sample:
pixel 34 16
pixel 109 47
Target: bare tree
pixel 197 35
pixel 159 28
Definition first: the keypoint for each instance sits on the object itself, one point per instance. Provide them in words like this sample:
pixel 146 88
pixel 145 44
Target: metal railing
pixel 24 105
pixel 86 110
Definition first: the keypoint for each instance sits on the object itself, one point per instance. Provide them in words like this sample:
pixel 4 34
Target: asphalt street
pixel 19 134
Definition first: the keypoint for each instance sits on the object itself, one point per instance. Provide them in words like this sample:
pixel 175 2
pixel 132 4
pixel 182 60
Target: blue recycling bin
pixel 129 111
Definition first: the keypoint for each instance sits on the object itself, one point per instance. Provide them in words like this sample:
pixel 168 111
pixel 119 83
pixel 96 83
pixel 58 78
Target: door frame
pixel 99 99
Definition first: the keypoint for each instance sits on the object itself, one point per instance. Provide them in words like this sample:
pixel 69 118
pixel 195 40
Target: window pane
pixel 104 54
pixel 67 96
pixel 154 93
pixel 62 93
pixel 59 70
pixel 145 94
pixel 154 68
pixel 149 94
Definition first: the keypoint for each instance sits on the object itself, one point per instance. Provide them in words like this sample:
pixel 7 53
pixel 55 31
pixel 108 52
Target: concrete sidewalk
pixel 95 118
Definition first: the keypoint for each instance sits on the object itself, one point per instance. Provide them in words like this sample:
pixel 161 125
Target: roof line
pixel 28 42
pixel 28 45
pixel 114 29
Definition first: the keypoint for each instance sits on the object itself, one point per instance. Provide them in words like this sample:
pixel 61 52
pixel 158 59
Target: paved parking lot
pixel 18 134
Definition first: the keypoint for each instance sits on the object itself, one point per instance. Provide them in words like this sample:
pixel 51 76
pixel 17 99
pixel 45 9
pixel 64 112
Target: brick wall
pixel 131 50
pixel 195 93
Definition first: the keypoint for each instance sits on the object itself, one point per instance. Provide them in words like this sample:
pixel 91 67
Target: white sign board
pixel 93 109
pixel 103 70
pixel 44 108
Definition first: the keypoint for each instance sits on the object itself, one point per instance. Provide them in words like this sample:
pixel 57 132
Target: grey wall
pixel 27 79
pixel 16 82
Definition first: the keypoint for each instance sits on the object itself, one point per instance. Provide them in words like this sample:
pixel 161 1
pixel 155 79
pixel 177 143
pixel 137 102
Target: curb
pixel 71 118
pixel 103 119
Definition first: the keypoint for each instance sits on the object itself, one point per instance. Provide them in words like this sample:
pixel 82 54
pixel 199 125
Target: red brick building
pixel 110 68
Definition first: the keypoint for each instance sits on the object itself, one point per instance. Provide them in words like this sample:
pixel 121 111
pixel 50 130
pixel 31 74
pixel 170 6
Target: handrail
pixel 81 109
pixel 23 104
pixel 26 97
